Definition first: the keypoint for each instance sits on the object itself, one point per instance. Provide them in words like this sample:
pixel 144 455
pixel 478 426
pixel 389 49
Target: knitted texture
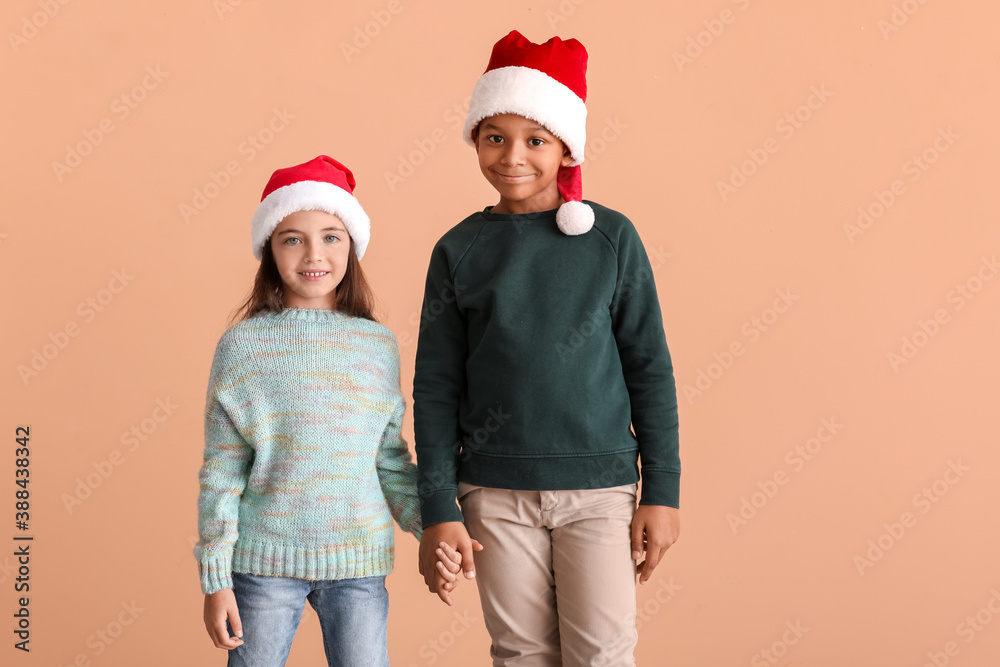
pixel 305 467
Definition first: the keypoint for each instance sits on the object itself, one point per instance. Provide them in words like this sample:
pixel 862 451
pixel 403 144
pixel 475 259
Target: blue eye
pixel 289 240
pixel 331 236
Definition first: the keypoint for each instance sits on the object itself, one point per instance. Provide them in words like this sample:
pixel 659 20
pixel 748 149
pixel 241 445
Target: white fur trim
pixel 310 196
pixel 533 94
pixel 574 217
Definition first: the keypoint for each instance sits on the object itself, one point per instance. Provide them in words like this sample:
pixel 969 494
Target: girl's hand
pixel 219 606
pixel 654 529
pixel 449 563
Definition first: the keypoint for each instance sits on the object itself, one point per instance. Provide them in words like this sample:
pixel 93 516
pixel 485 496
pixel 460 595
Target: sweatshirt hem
pixel 551 473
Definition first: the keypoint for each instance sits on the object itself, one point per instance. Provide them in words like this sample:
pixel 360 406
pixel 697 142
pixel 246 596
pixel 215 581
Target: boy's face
pixel 310 249
pixel 521 159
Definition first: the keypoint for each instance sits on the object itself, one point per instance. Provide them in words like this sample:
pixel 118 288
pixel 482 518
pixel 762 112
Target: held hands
pixel 448 564
pixel 654 529
pixel 219 606
pixel 446 548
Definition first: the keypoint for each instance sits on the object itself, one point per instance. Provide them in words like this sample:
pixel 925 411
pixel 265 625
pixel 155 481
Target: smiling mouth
pixel 512 177
pixel 313 275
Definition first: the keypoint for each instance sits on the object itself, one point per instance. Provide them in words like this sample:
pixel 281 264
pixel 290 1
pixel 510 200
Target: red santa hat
pixel 546 83
pixel 321 184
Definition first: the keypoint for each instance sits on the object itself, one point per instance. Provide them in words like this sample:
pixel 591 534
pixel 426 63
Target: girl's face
pixel 311 250
pixel 521 159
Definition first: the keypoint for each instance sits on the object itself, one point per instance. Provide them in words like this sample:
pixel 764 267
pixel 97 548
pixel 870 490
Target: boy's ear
pixel 566 157
pixel 475 137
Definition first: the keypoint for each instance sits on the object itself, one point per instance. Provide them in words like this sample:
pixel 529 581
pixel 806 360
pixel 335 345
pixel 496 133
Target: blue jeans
pixel 353 614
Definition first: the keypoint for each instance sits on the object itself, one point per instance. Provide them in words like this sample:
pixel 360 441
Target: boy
pixel 541 342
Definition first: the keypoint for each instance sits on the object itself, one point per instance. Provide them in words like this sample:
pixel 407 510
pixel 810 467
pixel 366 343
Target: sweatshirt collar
pixel 534 215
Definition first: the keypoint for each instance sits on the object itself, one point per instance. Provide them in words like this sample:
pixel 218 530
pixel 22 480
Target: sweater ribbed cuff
pixel 660 487
pixel 216 572
pixel 440 506
pixel 415 527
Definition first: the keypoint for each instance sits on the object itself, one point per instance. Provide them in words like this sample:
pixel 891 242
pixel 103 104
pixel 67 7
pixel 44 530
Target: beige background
pixel 888 82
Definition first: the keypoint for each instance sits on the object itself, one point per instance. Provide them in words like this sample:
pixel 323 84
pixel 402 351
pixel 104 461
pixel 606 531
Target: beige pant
pixel 556 576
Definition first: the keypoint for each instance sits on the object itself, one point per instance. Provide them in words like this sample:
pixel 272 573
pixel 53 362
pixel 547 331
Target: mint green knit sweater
pixel 304 466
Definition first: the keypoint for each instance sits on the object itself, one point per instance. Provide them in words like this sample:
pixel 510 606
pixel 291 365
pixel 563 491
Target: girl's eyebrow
pixel 325 229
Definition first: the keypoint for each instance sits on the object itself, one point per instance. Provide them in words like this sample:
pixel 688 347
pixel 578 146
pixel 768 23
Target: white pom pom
pixel 574 217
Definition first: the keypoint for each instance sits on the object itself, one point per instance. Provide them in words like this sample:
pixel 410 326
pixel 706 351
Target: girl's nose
pixel 314 251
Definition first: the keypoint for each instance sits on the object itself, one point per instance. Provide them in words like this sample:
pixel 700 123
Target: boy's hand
pixel 219 606
pixel 448 564
pixel 654 529
pixel 457 537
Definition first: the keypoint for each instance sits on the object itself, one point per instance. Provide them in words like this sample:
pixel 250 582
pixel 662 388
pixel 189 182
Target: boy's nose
pixel 514 155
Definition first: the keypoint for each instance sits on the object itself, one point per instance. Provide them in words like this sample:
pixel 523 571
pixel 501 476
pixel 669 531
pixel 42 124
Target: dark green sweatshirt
pixel 536 353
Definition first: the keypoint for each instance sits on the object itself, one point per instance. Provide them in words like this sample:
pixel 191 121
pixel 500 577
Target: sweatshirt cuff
pixel 440 506
pixel 216 572
pixel 661 487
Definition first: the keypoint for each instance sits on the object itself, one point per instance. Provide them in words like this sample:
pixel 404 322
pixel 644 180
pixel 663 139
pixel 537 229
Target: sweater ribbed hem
pixel 276 559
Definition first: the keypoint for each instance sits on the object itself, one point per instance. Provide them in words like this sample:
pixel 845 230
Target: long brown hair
pixel 353 295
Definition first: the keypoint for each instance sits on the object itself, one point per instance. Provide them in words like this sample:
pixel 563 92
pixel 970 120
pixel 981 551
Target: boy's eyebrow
pixel 536 128
pixel 325 229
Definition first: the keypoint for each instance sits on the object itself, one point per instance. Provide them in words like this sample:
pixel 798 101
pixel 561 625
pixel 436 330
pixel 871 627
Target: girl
pixel 304 465
pixel 542 378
